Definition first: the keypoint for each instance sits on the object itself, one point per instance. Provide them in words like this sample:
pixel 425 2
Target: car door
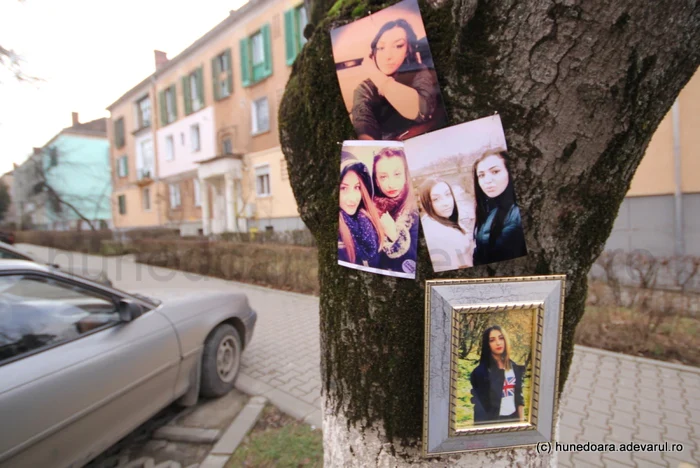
pixel 74 379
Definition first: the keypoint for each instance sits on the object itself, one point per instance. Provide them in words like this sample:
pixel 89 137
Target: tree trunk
pixel 580 88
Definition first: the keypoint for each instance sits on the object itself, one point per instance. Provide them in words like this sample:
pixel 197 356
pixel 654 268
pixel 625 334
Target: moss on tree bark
pixel 580 87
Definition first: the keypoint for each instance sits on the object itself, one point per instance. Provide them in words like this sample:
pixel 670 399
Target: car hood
pixel 175 301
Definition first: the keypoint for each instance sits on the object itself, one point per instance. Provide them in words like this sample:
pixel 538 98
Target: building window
pixel 119 132
pixel 53 156
pixel 169 148
pixel 295 21
pixel 123 166
pixel 197 192
pixel 146 195
pixel 193 91
pixel 260 116
pixel 175 200
pixel 227 146
pixel 262 180
pixel 256 56
pixel 222 73
pixel 168 105
pixel 194 137
pixel 143 112
pixel 122 204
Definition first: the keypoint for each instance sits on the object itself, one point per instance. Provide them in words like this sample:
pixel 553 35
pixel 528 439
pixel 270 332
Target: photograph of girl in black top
pixel 400 97
pixel 497 382
pixel 498 229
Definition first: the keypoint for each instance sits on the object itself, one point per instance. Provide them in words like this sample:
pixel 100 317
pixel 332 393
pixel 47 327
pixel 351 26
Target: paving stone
pixel 626 406
pixel 572 419
pixel 677 433
pixel 598 419
pixel 622 419
pixel 564 459
pixel 618 458
pixel 653 434
pixel 645 458
pixel 594 434
pixel 674 417
pixel 648 418
pixel 291 385
pixel 570 434
pixel 622 434
pixel 676 405
pixel 586 459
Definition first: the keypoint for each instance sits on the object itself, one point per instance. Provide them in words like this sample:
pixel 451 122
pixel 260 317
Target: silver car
pixel 8 251
pixel 83 364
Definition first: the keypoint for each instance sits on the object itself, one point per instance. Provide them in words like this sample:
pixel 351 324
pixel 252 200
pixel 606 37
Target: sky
pixel 87 54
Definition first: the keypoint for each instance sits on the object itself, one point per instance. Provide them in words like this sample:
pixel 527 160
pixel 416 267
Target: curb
pixel 637 359
pixel 287 403
pixel 232 438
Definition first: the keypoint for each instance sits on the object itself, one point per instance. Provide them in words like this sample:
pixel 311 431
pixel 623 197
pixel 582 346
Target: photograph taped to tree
pixel 492 365
pixel 386 74
pixel 469 211
pixel 378 216
pixel 491 362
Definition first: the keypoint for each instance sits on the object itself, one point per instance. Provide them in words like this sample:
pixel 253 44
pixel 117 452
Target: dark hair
pixel 405 198
pixel 411 40
pixel 486 359
pixel 426 202
pixel 484 204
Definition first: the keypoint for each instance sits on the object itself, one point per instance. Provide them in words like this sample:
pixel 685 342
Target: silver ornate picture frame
pixel 491 362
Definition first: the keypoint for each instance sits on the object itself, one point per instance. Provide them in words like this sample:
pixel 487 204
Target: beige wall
pixel 136 215
pixel 656 173
pixel 187 212
pixel 281 202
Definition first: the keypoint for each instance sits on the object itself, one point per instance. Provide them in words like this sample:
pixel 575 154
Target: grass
pixel 623 330
pixel 278 440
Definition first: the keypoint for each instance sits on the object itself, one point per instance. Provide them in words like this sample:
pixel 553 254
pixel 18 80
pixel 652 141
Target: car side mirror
pixel 129 310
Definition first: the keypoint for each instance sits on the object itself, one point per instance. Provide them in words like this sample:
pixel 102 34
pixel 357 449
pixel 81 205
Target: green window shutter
pixel 229 70
pixel 200 84
pixel 215 72
pixel 186 98
pixel 162 108
pixel 290 42
pixel 267 44
pixel 245 62
pixel 173 90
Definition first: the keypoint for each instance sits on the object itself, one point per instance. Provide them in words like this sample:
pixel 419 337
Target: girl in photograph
pixel 449 244
pixel 497 382
pixel 360 229
pixel 397 209
pixel 498 230
pixel 399 92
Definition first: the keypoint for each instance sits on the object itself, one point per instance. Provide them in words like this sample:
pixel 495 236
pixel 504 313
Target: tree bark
pixel 580 88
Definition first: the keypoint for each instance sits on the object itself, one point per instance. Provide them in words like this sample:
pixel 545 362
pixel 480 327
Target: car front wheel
pixel 221 361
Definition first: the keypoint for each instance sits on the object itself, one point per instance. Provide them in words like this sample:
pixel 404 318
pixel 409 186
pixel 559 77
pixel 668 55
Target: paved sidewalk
pixel 609 397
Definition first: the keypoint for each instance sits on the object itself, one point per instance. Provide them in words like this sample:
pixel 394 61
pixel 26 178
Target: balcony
pixel 144 177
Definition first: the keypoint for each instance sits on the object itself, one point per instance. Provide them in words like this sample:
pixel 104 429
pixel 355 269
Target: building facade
pixel 217 162
pixel 66 184
pixel 661 213
pixel 9 218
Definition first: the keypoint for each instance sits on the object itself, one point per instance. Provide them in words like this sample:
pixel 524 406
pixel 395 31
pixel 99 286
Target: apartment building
pixel 216 163
pixel 65 184
pixel 138 197
pixel 661 212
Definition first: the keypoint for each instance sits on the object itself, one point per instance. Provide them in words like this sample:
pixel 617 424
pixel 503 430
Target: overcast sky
pixel 88 53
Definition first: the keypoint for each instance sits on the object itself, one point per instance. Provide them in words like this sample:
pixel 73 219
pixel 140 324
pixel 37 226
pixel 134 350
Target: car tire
pixel 221 361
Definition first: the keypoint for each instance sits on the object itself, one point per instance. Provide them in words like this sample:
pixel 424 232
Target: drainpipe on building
pixel 679 248
pixel 156 176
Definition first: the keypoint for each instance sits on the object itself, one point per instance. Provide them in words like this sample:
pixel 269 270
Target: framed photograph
pixel 466 194
pixel 377 216
pixel 386 74
pixel 491 362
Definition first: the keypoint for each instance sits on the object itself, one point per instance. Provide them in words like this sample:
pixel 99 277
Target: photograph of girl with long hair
pixel 498 230
pixel 359 228
pixel 396 205
pixel 497 382
pixel 450 243
pixel 388 70
pixel 467 198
